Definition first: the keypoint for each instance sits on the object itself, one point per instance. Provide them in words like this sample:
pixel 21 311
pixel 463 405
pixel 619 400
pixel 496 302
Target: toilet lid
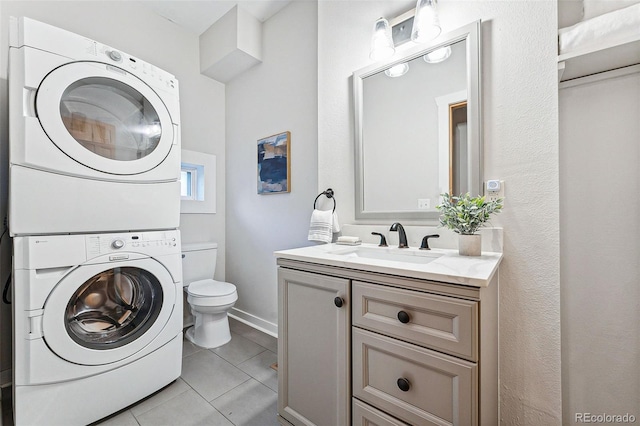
pixel 210 288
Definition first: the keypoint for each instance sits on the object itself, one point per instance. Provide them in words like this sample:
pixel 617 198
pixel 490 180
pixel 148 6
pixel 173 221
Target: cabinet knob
pixel 338 302
pixel 403 317
pixel 404 384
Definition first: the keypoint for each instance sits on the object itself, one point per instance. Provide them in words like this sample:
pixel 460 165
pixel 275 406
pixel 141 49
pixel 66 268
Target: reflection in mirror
pixel 418 128
pixel 457 146
pixel 410 101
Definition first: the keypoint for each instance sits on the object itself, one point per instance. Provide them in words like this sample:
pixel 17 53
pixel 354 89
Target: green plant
pixel 465 214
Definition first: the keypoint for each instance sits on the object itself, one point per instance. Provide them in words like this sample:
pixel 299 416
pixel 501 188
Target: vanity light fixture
pixel 397 70
pixel 381 42
pixel 437 55
pixel 426 24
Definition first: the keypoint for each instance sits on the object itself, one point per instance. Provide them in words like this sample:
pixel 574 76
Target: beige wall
pixel 520 146
pixel 134 29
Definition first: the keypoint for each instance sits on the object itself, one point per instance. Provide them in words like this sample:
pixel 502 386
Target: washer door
pixel 103 313
pixel 104 118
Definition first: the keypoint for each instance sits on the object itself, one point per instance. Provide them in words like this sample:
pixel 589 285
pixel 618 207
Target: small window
pixel 191 182
pixel 196 196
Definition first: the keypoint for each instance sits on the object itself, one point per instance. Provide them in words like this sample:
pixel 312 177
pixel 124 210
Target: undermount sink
pixel 392 254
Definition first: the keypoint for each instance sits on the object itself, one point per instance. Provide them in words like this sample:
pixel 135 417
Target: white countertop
pixel 449 266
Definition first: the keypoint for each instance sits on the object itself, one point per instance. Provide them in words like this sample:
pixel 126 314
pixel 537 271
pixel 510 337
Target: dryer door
pixel 103 313
pixel 105 118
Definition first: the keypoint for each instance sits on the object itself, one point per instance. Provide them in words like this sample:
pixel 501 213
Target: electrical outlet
pixel 494 190
pixel 424 203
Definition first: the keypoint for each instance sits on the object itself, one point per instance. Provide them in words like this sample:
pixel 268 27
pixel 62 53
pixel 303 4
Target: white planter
pixel 470 245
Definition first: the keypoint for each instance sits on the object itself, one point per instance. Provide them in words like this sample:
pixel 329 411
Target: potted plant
pixel 464 215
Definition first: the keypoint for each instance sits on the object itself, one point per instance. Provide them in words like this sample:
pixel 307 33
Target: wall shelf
pixel 598 58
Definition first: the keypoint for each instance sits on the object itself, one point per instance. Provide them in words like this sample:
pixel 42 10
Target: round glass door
pixel 113 308
pixel 102 313
pixel 105 118
pixel 110 118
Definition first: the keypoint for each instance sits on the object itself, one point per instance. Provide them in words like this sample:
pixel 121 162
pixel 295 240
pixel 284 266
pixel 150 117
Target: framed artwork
pixel 274 164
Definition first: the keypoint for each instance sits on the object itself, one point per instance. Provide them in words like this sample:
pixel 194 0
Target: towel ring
pixel 329 194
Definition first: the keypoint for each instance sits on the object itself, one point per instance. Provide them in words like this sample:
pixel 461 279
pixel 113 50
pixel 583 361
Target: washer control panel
pixel 52 251
pixel 149 243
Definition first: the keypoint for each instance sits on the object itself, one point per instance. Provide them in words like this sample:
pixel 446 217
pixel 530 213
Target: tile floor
pixel 230 385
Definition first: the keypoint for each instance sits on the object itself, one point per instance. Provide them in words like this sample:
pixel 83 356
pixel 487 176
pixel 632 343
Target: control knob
pixel 117 244
pixel 114 55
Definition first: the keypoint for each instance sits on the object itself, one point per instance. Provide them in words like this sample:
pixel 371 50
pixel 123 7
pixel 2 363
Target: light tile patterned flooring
pixel 230 385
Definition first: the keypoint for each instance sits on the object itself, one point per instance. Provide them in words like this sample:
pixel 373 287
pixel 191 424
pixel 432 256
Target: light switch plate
pixel 424 203
pixel 494 189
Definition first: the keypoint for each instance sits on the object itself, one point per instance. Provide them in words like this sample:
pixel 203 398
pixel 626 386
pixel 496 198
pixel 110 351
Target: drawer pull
pixel 338 302
pixel 403 317
pixel 404 384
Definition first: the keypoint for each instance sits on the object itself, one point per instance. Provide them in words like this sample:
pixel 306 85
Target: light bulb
pixel 426 24
pixel 437 55
pixel 381 41
pixel 397 70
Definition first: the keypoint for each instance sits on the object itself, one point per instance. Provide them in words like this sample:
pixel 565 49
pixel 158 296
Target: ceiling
pixel 198 15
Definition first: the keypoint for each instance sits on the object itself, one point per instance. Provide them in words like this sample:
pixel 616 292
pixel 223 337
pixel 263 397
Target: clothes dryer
pixel 94 136
pixel 97 323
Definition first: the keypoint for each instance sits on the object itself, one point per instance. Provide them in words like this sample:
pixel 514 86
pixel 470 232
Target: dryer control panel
pixel 29 32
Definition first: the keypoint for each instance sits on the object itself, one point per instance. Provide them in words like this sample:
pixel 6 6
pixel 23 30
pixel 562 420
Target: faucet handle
pixel 425 241
pixel 383 240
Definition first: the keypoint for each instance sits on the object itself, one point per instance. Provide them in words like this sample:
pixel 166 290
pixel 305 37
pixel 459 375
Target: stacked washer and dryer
pixel 94 207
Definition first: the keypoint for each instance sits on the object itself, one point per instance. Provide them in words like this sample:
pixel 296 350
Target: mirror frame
pixel 471 35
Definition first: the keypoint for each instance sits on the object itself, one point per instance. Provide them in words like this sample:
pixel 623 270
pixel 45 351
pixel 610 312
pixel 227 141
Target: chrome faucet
pixel 402 236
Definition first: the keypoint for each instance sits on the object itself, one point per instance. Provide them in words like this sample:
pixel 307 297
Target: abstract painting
pixel 274 166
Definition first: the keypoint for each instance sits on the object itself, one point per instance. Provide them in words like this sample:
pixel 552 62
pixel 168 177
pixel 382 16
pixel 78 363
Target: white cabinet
pixel 419 352
pixel 313 348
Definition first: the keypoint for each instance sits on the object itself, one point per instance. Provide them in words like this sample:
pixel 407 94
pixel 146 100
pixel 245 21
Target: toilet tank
pixel 198 261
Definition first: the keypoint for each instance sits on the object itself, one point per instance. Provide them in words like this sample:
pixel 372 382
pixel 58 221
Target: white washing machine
pixel 97 323
pixel 94 136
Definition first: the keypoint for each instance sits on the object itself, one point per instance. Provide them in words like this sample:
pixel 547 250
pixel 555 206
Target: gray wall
pixel 520 146
pixel 131 27
pixel 600 249
pixel 278 95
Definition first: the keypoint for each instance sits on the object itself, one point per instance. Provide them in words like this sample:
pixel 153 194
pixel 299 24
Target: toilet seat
pixel 211 293
pixel 210 288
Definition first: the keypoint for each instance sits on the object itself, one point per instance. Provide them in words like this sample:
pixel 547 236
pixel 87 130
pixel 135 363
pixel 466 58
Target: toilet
pixel 209 300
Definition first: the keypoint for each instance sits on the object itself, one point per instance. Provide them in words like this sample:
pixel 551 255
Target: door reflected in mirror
pixel 458 153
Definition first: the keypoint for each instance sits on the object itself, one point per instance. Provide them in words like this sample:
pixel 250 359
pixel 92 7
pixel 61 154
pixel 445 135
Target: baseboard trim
pixel 255 322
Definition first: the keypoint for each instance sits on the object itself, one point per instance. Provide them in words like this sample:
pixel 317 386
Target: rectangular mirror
pixel 418 135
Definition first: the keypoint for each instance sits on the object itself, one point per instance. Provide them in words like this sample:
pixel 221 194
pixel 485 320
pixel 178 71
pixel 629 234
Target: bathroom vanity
pixel 387 336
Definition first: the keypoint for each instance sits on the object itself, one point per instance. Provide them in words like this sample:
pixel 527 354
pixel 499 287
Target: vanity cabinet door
pixel 313 348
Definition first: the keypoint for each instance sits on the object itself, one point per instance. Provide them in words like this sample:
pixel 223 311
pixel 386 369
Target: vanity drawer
pixel 365 415
pixel 438 389
pixel 443 323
